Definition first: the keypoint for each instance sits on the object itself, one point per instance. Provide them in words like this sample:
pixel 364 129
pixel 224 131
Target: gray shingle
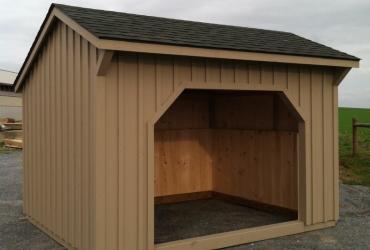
pixel 131 27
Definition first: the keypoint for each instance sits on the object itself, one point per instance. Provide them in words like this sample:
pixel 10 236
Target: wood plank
pixel 182 163
pixel 267 75
pixel 254 73
pixel 198 70
pixel 13 143
pixel 241 72
pixel 252 168
pixel 280 76
pixel 294 85
pixel 213 71
pixel 165 78
pixel 182 70
pixel 227 72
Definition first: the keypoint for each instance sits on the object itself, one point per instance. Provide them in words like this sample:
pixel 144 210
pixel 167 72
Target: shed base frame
pixel 238 237
pixel 221 240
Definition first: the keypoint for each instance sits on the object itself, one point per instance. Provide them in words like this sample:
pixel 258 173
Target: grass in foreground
pixel 3 149
pixel 354 170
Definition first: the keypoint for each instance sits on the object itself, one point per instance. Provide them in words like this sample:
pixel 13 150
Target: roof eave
pixel 155 48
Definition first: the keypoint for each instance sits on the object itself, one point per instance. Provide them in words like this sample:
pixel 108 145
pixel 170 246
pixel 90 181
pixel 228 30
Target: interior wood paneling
pixel 228 142
pixel 183 162
pixel 256 165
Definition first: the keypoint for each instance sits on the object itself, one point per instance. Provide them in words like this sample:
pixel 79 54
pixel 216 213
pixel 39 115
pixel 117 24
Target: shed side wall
pixel 59 138
pixel 138 85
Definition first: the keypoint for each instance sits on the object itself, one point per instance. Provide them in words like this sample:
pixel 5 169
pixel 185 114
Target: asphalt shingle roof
pixel 130 27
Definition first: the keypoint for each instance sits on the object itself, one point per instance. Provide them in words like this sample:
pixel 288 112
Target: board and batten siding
pixel 137 86
pixel 59 139
pixel 86 136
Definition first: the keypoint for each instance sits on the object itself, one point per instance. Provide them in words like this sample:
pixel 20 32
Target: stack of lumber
pixel 11 133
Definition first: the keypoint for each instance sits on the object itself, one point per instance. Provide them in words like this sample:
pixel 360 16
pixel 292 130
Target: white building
pixel 10 102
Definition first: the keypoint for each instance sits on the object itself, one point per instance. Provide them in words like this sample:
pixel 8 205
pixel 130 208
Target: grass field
pixel 354 170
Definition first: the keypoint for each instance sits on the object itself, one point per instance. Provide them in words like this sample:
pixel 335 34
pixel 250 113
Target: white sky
pixel 341 24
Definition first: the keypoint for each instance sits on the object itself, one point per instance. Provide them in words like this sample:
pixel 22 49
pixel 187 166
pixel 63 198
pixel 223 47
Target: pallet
pixel 12 126
pixel 6 120
pixel 13 143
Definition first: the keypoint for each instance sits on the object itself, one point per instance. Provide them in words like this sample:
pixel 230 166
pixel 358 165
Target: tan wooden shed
pixel 153 133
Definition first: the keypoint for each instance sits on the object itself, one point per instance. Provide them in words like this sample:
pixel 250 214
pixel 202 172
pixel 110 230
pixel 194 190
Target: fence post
pixel 354 137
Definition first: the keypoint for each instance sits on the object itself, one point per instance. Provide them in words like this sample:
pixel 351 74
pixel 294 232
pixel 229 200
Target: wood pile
pixel 11 133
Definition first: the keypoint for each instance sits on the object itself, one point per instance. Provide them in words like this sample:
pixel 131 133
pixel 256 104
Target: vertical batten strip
pixel 121 155
pixel 158 77
pixel 130 151
pixel 38 213
pixel 112 156
pixel 47 134
pixel 58 134
pixel 53 132
pixel 78 140
pixel 70 124
pixel 92 148
pixel 34 144
pixel 100 161
pixel 43 137
pixel 141 166
pixel 85 139
pixel 305 79
pixel 64 153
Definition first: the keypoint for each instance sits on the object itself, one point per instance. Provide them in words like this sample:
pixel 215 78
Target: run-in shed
pixel 145 132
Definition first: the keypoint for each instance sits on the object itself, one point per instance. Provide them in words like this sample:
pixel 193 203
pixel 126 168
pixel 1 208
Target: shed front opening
pixel 225 160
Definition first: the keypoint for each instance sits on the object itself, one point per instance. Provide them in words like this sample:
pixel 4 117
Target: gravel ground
pixel 351 232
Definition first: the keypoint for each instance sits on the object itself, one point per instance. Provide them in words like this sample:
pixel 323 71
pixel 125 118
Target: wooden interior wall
pixel 59 139
pixel 138 85
pixel 256 165
pixel 229 143
pixel 183 161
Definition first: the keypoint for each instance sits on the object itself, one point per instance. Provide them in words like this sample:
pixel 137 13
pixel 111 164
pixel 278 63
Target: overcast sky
pixel 341 24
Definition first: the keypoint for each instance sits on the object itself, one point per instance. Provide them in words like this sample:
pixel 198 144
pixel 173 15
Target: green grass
pixel 3 149
pixel 354 169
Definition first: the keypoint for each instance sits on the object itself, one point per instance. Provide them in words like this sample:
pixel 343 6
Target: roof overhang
pixel 153 48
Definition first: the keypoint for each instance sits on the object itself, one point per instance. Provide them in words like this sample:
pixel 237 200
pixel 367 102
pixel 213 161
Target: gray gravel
pixel 16 232
pixel 352 231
